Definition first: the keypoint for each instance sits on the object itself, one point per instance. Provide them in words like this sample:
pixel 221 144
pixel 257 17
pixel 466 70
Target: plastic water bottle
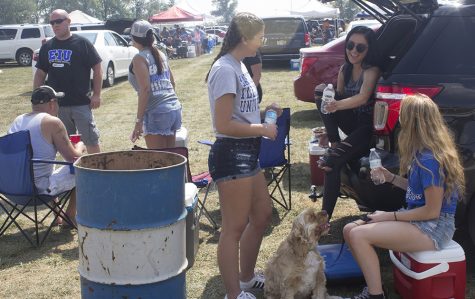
pixel 270 118
pixel 375 163
pixel 327 97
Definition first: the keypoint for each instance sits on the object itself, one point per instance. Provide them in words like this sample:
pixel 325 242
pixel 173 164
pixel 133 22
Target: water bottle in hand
pixel 327 97
pixel 377 174
pixel 270 118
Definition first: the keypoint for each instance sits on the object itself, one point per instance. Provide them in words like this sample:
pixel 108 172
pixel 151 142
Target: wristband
pixel 138 120
pixel 394 177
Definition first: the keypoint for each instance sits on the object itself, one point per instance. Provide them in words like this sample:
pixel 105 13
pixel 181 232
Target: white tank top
pixel 42 149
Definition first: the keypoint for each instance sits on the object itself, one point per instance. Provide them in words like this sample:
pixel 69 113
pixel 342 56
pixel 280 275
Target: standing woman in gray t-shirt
pixel 233 159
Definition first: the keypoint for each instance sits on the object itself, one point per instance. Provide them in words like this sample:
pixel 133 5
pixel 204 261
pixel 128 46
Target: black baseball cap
pixel 44 94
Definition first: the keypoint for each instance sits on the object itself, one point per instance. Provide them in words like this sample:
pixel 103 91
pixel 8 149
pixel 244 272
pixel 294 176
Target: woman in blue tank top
pixel 352 112
pixel 434 184
pixel 158 109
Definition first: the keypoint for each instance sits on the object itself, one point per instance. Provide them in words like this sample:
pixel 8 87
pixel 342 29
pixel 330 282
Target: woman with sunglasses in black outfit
pixel 352 111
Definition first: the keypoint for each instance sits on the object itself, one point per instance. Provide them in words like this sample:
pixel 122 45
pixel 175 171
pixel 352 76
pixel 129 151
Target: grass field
pixel 51 271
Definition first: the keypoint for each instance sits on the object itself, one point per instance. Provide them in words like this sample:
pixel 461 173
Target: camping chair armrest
pixel 70 164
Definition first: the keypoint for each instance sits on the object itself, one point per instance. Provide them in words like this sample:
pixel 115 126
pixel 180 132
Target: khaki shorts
pixel 80 119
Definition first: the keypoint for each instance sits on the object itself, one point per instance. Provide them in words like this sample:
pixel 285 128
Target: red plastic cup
pixel 75 138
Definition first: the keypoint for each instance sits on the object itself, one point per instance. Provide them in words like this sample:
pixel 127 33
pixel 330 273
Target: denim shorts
pixel 159 121
pixel 440 230
pixel 231 159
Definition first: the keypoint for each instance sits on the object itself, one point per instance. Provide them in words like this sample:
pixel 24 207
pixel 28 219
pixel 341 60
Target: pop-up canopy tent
pixel 315 9
pixel 80 17
pixel 175 14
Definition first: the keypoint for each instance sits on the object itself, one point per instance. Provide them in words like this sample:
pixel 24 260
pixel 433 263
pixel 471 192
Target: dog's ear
pixel 297 232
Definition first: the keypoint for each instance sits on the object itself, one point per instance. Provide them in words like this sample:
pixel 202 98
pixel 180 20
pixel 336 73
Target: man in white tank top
pixel 48 136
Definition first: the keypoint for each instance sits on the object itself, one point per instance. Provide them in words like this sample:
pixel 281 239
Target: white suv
pixel 17 42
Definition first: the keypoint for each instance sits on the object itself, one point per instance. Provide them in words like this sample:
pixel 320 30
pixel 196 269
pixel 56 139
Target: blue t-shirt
pixel 421 178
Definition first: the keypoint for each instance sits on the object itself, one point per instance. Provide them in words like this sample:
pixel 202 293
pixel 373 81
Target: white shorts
pixel 60 181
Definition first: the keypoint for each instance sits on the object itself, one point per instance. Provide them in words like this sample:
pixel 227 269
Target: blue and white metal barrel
pixel 131 225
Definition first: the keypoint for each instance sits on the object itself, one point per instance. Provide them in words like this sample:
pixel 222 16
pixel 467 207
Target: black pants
pixel 358 126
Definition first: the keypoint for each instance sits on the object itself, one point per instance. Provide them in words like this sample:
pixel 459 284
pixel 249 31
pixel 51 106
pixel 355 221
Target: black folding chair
pixel 18 190
pixel 276 161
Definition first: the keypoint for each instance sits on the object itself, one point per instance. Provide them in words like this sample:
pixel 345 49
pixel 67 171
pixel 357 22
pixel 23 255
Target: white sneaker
pixel 243 295
pixel 257 282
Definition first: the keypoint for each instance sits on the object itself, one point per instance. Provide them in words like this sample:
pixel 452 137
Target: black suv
pixel 283 38
pixel 429 49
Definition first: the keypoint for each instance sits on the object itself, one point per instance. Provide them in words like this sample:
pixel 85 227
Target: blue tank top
pixel 162 91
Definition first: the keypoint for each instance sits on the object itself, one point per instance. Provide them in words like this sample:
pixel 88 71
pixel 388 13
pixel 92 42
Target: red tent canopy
pixel 174 14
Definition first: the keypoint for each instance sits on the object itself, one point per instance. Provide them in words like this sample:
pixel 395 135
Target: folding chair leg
pixel 205 211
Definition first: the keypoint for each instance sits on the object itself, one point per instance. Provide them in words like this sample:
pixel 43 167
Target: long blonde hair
pixel 423 128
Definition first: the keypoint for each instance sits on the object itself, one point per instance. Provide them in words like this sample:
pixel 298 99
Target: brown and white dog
pixel 297 269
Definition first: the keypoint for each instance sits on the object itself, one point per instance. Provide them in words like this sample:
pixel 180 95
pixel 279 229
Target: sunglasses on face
pixel 360 48
pixel 57 21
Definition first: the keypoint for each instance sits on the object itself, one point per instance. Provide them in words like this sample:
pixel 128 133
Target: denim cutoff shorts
pixel 440 230
pixel 161 121
pixel 231 159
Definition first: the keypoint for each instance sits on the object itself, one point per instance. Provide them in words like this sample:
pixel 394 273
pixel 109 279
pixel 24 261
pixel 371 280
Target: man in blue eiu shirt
pixel 67 59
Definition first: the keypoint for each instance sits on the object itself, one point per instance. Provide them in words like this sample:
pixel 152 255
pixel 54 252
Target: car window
pixel 283 26
pixel 91 36
pixel 109 40
pixel 452 51
pixel 120 41
pixel 48 31
pixel 7 34
pixel 30 33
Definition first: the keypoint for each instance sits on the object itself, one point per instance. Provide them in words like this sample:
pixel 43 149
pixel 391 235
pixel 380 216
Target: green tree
pixel 17 11
pixel 225 9
pixel 348 9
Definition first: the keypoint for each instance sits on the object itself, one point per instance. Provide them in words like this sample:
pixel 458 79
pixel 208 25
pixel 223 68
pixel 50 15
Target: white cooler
pixel 181 139
pixel 192 223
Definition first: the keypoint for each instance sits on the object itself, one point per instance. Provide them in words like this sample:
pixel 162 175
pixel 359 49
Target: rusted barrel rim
pixel 147 152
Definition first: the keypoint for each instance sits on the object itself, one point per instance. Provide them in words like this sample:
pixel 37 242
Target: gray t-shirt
pixel 228 75
pixel 162 92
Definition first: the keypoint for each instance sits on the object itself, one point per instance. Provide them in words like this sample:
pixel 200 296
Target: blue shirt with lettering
pixel 425 173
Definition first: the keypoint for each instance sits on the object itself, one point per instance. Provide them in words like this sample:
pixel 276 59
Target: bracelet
pixel 395 217
pixel 394 177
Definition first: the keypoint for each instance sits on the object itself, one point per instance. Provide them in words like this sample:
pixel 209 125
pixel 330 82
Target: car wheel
pixel 110 75
pixel 24 57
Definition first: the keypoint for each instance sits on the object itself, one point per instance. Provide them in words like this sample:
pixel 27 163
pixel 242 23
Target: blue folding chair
pixel 276 161
pixel 18 190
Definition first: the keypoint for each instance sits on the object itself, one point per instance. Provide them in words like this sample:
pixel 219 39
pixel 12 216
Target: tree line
pixel 37 11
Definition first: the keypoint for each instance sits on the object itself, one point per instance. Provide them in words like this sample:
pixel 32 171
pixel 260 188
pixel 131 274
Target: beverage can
pixel 271 117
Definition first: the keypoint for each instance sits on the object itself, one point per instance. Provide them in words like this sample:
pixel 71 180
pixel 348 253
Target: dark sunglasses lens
pixel 350 46
pixel 360 48
pixel 57 21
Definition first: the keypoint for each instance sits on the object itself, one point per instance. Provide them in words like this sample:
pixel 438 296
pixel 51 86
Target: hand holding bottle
pixel 328 98
pixel 377 175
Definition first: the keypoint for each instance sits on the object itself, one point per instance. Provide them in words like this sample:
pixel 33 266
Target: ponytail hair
pixel 243 25
pixel 148 42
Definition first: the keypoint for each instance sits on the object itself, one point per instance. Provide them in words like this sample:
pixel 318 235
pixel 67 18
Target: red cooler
pixel 430 274
pixel 317 174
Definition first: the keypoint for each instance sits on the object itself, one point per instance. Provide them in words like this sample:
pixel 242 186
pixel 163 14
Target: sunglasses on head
pixel 360 48
pixel 57 21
